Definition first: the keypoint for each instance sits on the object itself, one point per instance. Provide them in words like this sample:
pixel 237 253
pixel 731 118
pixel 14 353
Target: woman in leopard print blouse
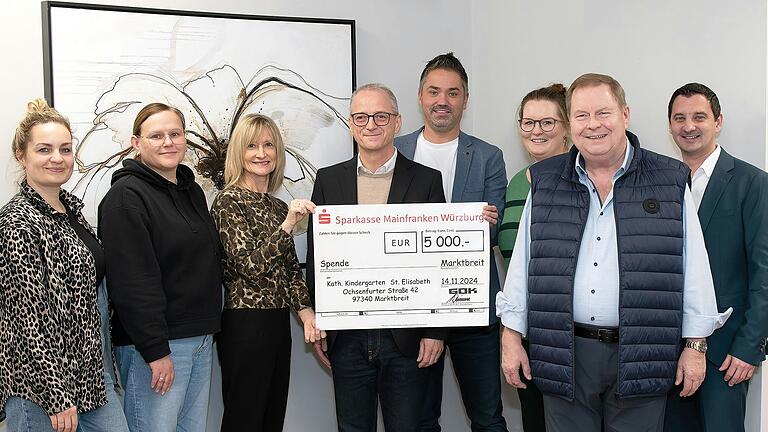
pixel 262 279
pixel 53 360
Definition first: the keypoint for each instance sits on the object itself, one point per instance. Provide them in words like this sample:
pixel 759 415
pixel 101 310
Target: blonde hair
pixel 38 112
pixel 594 80
pixel 247 131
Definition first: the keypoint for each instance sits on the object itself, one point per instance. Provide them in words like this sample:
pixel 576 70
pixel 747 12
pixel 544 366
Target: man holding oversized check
pixel 349 250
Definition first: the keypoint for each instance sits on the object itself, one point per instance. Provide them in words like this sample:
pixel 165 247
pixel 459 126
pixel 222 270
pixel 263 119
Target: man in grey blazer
pixel 732 200
pixel 473 171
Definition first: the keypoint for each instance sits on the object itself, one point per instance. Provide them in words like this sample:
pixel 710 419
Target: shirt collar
pixel 628 154
pixel 72 202
pixel 385 169
pixel 708 167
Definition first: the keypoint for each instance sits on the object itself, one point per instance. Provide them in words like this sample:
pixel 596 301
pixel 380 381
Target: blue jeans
pixel 367 367
pixel 475 355
pixel 24 415
pixel 185 406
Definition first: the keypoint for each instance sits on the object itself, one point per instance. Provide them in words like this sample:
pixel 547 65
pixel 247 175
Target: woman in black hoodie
pixel 164 266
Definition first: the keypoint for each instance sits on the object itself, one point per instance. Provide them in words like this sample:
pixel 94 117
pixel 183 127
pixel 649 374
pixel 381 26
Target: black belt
pixel 607 335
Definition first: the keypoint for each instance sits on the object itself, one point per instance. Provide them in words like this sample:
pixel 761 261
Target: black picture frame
pixel 48 6
pixel 52 46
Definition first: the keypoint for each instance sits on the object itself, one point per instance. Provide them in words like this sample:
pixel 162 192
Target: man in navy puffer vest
pixel 609 276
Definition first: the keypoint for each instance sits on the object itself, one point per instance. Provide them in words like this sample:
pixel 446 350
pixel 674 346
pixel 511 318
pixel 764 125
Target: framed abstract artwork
pixel 104 63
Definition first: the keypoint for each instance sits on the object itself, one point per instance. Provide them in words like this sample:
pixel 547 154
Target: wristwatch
pixel 699 345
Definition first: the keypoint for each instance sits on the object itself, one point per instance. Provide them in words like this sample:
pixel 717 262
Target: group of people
pixel 634 298
pixel 160 260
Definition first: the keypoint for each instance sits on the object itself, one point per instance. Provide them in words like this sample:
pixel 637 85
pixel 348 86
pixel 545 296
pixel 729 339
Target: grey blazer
pixel 480 176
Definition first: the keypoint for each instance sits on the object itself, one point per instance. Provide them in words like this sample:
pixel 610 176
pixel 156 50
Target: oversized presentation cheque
pixel 401 265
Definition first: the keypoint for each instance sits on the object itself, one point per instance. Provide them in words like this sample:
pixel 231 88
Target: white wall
pixel 508 48
pixel 651 47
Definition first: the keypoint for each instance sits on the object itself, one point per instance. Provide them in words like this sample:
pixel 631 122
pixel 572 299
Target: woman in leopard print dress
pixel 55 353
pixel 262 278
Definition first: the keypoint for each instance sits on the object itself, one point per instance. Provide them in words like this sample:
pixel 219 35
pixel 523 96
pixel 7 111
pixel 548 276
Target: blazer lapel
pixel 401 180
pixel 348 182
pixel 720 177
pixel 408 144
pixel 463 160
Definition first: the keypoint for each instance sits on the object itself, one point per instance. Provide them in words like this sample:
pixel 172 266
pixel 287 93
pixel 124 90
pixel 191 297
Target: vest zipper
pixel 621 290
pixel 573 323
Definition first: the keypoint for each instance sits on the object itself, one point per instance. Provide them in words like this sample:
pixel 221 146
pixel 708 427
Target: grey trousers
pixel 595 406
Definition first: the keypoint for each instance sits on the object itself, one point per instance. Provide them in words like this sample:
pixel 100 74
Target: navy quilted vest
pixel 650 245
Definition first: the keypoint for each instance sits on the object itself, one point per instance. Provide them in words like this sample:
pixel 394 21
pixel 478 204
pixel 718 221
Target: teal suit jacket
pixel 734 217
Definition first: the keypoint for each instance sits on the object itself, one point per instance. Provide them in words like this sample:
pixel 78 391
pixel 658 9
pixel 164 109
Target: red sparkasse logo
pixel 324 218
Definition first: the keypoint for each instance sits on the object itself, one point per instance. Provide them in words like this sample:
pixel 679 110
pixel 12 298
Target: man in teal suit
pixel 732 200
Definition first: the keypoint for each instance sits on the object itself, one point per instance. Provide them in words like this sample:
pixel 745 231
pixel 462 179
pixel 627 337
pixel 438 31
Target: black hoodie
pixel 163 258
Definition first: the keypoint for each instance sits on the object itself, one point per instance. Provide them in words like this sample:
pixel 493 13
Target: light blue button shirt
pixel 596 281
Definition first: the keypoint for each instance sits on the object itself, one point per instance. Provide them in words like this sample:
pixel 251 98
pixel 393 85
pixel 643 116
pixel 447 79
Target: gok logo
pixel 324 218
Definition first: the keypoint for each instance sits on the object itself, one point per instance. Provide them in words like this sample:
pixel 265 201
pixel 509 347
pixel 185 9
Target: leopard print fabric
pixel 50 345
pixel 261 270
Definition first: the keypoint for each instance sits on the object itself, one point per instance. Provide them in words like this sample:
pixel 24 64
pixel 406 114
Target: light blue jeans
pixel 24 415
pixel 185 406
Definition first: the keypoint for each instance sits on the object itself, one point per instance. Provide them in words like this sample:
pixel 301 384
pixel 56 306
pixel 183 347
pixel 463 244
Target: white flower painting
pixel 103 64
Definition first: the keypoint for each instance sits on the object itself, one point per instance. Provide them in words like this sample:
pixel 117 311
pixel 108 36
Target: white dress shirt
pixel 598 245
pixel 700 178
pixel 385 169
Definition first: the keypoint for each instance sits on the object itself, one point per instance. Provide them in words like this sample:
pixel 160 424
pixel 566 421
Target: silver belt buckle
pixel 603 335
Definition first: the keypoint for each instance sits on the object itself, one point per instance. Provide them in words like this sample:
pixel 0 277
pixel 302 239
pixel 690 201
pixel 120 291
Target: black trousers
pixel 475 356
pixel 531 403
pixel 254 349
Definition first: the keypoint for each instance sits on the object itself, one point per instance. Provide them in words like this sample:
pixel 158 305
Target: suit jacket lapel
pixel 348 182
pixel 408 144
pixel 463 161
pixel 401 180
pixel 720 177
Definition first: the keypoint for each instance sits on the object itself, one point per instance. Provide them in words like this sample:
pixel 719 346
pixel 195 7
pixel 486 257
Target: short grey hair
pixel 376 87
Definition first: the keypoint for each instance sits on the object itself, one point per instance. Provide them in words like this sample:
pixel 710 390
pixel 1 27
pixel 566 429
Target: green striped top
pixel 517 192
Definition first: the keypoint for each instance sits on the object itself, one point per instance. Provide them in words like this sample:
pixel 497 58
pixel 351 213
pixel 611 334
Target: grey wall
pixel 652 47
pixel 508 48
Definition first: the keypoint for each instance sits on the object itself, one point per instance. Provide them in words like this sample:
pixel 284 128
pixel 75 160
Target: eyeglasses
pixel 379 119
pixel 546 124
pixel 158 139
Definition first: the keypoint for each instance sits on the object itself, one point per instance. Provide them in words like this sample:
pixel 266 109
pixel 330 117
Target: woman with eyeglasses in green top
pixel 543 126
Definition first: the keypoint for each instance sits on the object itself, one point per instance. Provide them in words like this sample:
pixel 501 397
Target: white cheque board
pixel 401 265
